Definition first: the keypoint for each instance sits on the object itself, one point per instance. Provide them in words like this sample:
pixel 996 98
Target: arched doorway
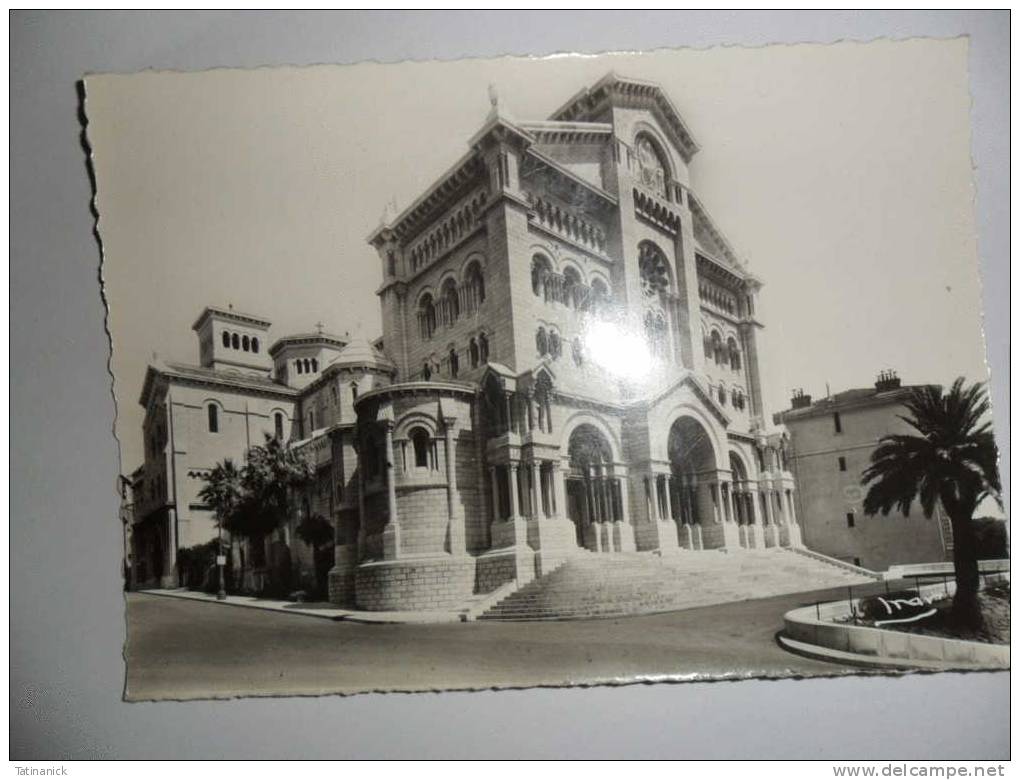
pixel 594 497
pixel 741 496
pixel 684 496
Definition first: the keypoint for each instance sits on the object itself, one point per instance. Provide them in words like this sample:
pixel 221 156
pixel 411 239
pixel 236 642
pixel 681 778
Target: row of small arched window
pixel 307 365
pixel 236 341
pixel 446 310
pixel 723 354
pixel 548 344
pixel 567 288
pixel 737 397
pixel 478 354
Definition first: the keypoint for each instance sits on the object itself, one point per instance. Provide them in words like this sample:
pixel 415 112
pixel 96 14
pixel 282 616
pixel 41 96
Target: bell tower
pixel 229 340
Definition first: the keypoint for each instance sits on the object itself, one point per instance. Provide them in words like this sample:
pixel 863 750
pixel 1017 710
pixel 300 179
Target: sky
pixel 841 173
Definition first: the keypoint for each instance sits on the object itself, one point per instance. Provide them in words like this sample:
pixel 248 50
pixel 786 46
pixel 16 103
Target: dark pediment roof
pixel 612 89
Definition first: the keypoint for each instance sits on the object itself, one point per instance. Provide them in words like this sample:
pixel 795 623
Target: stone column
pixel 669 498
pixel 628 543
pixel 729 506
pixel 715 493
pixel 795 531
pixel 782 527
pixel 755 531
pixel 669 539
pixel 512 480
pixel 652 498
pixel 458 533
pixel 530 398
pixel 559 478
pixel 720 533
pixel 391 533
pixel 509 406
pixel 494 480
pixel 513 532
pixel 536 497
pixel 769 531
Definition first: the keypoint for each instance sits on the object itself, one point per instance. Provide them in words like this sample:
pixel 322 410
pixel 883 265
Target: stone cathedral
pixel 576 367
pixel 568 369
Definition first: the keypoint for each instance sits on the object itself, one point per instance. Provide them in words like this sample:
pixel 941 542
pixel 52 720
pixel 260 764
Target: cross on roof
pixel 319 326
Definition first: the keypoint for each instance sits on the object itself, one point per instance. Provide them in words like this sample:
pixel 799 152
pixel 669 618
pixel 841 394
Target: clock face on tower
pixel 651 171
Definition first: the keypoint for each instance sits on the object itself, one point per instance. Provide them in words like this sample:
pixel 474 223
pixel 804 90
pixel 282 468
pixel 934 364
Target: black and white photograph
pixel 536 372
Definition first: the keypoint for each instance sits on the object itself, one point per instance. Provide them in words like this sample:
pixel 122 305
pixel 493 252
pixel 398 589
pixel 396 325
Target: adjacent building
pixel 299 390
pixel 831 441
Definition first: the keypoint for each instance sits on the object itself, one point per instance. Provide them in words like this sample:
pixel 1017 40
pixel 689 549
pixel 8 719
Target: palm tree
pixel 952 462
pixel 222 491
pixel 272 474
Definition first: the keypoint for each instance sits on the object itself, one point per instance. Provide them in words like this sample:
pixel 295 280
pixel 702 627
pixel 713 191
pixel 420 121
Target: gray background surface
pixel 66 609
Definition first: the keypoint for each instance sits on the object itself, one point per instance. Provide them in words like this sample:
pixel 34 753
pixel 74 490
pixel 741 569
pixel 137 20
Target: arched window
pixel 426 371
pixel 451 303
pixel 717 348
pixel 572 292
pixel 214 418
pixel 311 422
pixel 315 365
pixel 226 339
pixel 235 341
pixel 254 345
pixel 354 391
pixel 543 402
pixel 541 341
pixel 474 287
pixel 278 425
pixel 555 347
pixel 540 273
pixel 473 353
pixel 245 343
pixel 454 363
pixel 722 395
pixel 422 443
pixel 651 168
pixel 654 269
pixel 734 351
pixel 599 298
pixel 655 333
pixel 297 365
pixel 483 348
pixel 426 316
pixel 577 350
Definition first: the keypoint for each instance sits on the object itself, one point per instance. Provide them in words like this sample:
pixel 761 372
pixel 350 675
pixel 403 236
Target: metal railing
pixel 855 593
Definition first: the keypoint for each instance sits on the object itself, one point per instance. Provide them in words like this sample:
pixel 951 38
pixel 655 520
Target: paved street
pixel 184 649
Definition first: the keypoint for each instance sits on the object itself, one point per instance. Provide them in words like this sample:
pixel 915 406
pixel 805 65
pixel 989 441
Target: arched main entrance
pixel 685 495
pixel 594 496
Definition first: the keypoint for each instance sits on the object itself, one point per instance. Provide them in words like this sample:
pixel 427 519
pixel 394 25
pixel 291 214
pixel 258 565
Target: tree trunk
pixel 966 610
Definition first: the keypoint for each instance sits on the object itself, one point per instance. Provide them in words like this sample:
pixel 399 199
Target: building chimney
pixel 799 400
pixel 887 380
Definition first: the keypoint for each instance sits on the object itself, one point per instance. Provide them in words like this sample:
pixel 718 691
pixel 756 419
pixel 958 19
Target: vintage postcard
pixel 576 370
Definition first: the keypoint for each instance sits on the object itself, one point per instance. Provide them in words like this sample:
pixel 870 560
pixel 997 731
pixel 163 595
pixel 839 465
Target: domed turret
pixel 359 353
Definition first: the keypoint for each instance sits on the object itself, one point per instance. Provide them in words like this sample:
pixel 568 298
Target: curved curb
pixel 816 632
pixel 820 653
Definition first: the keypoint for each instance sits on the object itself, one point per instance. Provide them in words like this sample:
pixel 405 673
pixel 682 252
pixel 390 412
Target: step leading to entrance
pixel 596 585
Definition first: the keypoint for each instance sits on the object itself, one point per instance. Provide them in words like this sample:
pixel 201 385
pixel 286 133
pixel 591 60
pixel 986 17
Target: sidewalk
pixel 317 609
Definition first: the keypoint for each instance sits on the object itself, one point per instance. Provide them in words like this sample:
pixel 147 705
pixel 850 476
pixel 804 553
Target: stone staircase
pixel 594 585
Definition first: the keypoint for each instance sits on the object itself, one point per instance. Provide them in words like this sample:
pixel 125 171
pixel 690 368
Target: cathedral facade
pixel 568 367
pixel 576 366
